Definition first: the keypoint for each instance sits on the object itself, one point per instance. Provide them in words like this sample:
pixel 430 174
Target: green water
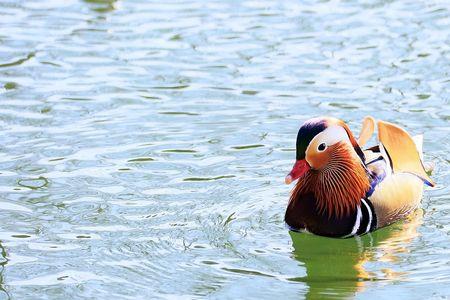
pixel 143 146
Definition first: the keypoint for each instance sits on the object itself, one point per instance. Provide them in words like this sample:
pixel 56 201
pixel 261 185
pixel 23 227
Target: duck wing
pixel 398 174
pixel 367 130
pixel 403 154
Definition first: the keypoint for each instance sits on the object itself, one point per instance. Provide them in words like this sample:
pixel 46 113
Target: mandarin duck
pixel 344 191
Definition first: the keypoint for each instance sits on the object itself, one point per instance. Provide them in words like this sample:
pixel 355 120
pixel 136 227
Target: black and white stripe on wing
pixel 365 220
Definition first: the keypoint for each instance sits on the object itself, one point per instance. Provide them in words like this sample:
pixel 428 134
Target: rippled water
pixel 144 145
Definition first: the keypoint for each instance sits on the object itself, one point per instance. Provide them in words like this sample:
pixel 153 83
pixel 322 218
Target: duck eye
pixel 322 147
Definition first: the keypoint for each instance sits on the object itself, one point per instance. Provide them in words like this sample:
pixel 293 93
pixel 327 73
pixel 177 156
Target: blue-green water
pixel 143 146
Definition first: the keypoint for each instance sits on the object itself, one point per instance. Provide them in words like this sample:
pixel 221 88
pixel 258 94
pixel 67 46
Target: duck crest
pixel 337 188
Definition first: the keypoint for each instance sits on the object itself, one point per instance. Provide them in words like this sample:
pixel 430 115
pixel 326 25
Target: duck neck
pixel 338 187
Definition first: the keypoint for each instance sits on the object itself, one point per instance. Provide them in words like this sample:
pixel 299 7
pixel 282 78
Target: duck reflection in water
pixel 335 268
pixel 102 6
pixel 3 261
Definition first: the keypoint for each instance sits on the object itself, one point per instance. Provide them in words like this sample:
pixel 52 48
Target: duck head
pixel 318 140
pixel 329 164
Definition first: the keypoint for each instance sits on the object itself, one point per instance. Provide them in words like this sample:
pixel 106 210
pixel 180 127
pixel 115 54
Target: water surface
pixel 144 144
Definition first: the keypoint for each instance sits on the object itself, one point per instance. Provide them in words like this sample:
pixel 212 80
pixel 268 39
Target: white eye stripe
pixel 331 136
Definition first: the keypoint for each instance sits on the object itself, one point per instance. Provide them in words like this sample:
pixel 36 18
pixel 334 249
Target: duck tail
pixel 427 165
